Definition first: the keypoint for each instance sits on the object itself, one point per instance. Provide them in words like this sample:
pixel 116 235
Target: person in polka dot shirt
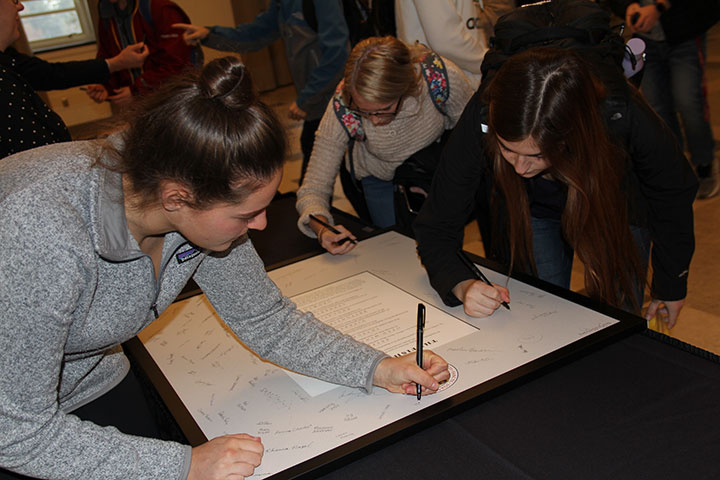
pixel 26 121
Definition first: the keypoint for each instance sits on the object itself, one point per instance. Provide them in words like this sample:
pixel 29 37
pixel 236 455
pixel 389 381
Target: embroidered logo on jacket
pixel 188 254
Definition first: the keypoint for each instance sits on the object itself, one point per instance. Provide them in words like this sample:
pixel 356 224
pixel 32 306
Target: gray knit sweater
pixel 417 124
pixel 75 285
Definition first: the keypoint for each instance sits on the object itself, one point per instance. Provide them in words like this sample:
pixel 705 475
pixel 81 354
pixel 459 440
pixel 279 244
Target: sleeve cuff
pixel 304 221
pixel 186 463
pixel 371 375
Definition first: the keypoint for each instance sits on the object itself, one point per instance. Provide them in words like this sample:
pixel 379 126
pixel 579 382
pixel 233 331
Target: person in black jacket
pixel 557 170
pixel 27 122
pixel 675 35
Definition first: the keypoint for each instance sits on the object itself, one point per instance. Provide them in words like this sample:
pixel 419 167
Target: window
pixel 52 24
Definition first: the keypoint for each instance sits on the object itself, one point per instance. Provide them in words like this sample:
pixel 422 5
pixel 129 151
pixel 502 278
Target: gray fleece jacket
pixel 74 285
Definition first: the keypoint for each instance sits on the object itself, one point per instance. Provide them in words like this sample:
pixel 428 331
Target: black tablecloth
pixel 639 408
pixel 635 409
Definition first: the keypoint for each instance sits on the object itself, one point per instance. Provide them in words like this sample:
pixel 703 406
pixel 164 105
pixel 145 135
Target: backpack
pixel 418 169
pixel 362 20
pixel 579 25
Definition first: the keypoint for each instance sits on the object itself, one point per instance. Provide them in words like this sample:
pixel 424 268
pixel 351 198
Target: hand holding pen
pixel 480 297
pixel 336 239
pixel 408 375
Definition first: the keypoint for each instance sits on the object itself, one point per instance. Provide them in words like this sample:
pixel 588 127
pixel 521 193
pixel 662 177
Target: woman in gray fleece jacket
pixel 100 238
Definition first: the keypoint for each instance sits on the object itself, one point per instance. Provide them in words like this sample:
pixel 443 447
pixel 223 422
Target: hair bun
pixel 226 79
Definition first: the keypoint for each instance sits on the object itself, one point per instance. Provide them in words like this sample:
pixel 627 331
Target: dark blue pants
pixel 554 257
pixel 674 84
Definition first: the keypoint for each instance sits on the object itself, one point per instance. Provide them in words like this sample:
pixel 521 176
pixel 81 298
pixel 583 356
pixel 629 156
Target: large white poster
pixel 371 294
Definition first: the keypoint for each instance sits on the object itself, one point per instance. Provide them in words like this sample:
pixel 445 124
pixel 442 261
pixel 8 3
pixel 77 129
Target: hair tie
pixel 221 96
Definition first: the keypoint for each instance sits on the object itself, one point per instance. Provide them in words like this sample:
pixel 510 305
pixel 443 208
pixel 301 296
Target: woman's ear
pixel 174 196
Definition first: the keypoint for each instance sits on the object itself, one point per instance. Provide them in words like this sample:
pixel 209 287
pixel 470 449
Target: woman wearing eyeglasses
pixel 391 104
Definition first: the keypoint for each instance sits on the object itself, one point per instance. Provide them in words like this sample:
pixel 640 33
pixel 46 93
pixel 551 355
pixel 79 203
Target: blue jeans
pixel 554 256
pixel 379 197
pixel 673 83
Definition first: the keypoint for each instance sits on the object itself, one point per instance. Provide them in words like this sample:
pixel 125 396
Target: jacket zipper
pixel 160 276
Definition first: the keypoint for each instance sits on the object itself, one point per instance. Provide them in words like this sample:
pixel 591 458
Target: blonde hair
pixel 382 69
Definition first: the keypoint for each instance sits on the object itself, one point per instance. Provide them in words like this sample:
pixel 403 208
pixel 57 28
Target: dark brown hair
pixel 552 96
pixel 206 130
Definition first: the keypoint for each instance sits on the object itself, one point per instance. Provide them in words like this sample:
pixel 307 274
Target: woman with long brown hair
pixel 561 168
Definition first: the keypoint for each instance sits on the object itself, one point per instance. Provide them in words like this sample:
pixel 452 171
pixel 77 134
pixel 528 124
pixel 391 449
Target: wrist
pixel 319 233
pixel 460 289
pixel 115 64
pixel 380 373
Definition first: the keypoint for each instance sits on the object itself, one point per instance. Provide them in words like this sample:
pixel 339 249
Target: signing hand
pixel 666 311
pixel 480 299
pixel 335 243
pixel 402 375
pixel 192 34
pixel 229 456
pixel 132 56
pixel 97 92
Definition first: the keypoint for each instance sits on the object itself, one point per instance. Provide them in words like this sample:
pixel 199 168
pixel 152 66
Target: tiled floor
pixel 699 322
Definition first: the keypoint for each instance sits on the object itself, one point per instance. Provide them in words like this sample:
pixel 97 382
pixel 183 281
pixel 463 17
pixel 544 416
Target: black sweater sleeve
pixel 439 227
pixel 44 75
pixel 668 184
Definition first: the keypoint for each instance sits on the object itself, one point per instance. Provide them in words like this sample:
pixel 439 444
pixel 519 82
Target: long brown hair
pixel 552 96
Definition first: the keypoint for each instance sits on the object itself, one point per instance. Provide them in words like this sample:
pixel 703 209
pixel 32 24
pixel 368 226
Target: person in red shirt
pixel 124 22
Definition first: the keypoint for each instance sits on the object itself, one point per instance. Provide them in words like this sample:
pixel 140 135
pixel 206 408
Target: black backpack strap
pixel 308 11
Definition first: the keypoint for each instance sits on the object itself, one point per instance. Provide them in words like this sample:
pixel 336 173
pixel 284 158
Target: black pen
pixel 330 227
pixel 420 327
pixel 476 271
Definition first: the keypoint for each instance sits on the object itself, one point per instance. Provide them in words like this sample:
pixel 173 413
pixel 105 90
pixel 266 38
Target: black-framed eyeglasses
pixel 381 115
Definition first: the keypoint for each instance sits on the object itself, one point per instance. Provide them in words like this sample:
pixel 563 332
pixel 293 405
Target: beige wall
pixel 268 66
pixel 208 12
